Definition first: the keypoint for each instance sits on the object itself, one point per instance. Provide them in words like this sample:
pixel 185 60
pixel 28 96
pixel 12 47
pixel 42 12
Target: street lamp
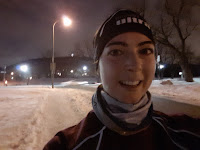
pixel 24 68
pixel 84 68
pixel 181 74
pixel 66 22
pixel 161 66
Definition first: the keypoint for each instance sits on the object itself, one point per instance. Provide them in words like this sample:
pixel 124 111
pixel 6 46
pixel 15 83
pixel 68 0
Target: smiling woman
pixel 123 117
pixel 127 66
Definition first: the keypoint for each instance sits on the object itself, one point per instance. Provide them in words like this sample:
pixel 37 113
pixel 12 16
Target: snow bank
pixel 180 91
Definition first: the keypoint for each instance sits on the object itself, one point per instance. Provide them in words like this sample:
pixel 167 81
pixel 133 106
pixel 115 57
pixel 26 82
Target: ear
pixel 97 67
pixel 98 77
pixel 98 73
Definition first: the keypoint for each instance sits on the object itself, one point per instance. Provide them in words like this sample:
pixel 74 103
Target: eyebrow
pixel 145 42
pixel 117 43
pixel 126 45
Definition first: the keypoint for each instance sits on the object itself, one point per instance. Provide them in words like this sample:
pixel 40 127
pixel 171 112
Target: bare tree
pixel 196 60
pixel 166 54
pixel 175 28
pixel 140 10
pixel 83 49
pixel 77 49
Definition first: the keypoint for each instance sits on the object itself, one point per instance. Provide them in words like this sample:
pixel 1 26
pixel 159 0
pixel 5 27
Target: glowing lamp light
pixel 24 68
pixel 12 73
pixel 180 73
pixel 72 55
pixel 72 71
pixel 161 66
pixel 84 68
pixel 67 21
pixel 59 73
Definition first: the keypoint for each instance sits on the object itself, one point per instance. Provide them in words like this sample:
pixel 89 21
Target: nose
pixel 133 63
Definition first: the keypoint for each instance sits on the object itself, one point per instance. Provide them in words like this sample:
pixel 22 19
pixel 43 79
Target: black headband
pixel 120 22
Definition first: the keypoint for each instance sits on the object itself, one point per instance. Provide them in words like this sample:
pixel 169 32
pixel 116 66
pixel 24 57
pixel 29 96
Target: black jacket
pixel 163 133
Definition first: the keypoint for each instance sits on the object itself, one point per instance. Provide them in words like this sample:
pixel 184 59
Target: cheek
pixel 149 69
pixel 104 70
pixel 108 70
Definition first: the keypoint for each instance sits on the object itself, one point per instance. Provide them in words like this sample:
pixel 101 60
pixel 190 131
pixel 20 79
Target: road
pixel 169 106
pixel 163 104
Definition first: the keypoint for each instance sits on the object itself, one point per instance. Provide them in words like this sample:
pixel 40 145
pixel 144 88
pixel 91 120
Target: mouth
pixel 130 84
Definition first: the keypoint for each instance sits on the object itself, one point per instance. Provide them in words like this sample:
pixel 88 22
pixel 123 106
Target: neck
pixel 121 117
pixel 119 107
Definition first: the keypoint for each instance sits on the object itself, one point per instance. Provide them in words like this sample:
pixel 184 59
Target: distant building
pixel 65 67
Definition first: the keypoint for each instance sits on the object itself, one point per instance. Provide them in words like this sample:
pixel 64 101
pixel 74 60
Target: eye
pixel 146 51
pixel 115 52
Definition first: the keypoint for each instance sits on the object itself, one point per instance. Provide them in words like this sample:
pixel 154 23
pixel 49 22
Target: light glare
pixel 67 21
pixel 84 68
pixel 162 66
pixel 24 68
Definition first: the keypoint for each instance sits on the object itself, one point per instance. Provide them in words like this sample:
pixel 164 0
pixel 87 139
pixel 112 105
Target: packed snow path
pixel 30 117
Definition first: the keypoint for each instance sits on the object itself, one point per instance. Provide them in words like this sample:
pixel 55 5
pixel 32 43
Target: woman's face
pixel 127 66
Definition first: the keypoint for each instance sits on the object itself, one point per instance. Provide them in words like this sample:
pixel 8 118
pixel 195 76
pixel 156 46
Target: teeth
pixel 131 82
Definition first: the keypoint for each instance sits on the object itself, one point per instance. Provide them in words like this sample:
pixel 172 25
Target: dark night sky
pixel 26 25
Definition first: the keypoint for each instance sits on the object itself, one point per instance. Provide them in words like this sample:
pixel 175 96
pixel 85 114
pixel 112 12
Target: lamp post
pixel 66 22
pixel 4 74
pixel 53 64
pixel 161 67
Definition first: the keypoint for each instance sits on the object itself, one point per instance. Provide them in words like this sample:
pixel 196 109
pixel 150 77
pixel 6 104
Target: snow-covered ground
pixel 31 115
pixel 179 90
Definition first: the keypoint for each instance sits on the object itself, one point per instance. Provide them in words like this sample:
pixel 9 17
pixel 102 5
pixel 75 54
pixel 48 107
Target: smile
pixel 130 83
